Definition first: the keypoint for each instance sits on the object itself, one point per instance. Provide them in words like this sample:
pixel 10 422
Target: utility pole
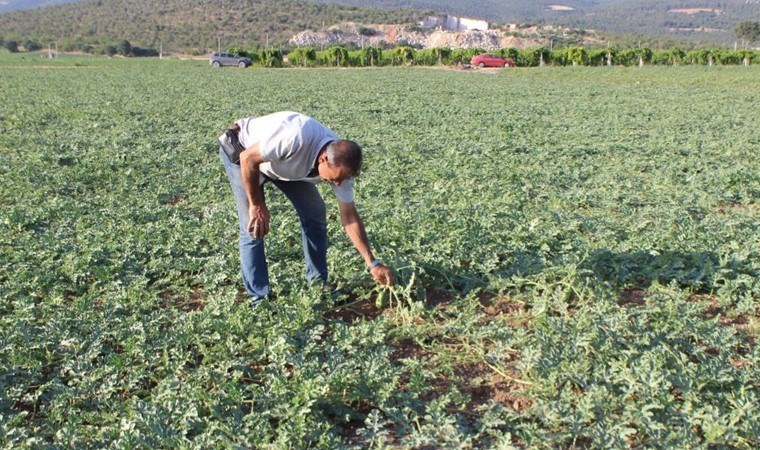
pixel 218 43
pixel 161 50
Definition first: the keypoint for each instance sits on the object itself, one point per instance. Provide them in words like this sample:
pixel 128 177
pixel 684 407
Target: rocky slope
pixel 393 35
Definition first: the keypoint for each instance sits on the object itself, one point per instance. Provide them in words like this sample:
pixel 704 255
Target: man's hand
pixel 258 221
pixel 382 274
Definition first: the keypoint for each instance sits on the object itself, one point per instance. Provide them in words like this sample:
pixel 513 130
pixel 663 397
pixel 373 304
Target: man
pixel 294 152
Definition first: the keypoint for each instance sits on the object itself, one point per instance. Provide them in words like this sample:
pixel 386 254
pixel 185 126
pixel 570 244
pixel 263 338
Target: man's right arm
pixel 258 213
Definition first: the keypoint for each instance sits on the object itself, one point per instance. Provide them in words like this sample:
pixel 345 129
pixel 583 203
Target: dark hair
pixel 345 153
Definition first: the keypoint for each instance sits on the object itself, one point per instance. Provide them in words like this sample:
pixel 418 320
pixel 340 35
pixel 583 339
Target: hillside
pixel 181 25
pixel 197 26
pixel 710 21
pixel 18 5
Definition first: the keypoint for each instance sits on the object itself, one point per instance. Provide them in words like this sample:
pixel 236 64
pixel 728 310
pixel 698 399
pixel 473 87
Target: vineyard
pixel 577 252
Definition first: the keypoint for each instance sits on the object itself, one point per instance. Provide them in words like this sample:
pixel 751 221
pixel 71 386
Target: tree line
pixel 339 56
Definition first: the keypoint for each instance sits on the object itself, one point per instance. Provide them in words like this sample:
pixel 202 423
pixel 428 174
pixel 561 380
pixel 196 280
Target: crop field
pixel 577 253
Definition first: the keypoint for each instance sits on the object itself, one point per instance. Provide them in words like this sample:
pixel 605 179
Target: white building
pixel 452 23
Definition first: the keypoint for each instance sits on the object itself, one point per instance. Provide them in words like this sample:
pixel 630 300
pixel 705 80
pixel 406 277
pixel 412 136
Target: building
pixel 452 23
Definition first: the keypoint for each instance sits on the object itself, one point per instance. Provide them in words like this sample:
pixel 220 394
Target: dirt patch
pixel 193 301
pixel 492 386
pixel 172 200
pixel 497 305
pixel 732 208
pixel 438 298
pixel 482 385
pixel 356 310
pixel 408 349
pixel 632 297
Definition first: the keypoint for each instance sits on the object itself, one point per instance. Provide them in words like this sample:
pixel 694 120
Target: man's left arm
pixel 354 227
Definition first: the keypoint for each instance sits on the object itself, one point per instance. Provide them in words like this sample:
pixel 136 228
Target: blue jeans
pixel 312 213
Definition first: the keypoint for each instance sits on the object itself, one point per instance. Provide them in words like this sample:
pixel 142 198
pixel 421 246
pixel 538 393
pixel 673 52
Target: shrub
pixel 32 46
pixel 464 55
pixel 271 58
pixel 124 48
pixel 402 55
pixel 303 56
pixel 532 57
pixel 371 56
pixel 11 46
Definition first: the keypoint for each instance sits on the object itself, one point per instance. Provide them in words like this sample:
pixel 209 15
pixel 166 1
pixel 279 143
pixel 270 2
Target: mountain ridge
pixel 196 26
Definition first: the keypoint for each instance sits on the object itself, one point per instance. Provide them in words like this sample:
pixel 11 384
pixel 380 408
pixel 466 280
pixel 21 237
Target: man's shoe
pixel 256 301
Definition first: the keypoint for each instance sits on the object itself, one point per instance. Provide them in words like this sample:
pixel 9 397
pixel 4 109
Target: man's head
pixel 339 161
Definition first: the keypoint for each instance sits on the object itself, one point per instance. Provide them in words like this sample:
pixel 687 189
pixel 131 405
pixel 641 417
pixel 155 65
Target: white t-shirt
pixel 290 143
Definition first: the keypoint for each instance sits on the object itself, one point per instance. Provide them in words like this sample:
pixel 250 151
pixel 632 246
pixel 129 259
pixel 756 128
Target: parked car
pixel 491 60
pixel 219 59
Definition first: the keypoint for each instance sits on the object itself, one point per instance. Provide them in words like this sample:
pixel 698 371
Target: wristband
pixel 373 264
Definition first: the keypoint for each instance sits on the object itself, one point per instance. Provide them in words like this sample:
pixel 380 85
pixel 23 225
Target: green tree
pixel 11 46
pixel 533 57
pixel 432 56
pixel 703 57
pixel 644 55
pixel 32 46
pixel 371 56
pixel 578 56
pixel 610 56
pixel 271 58
pixel 442 54
pixel 510 52
pixel 111 50
pixel 124 48
pixel 337 55
pixel 464 55
pixel 676 56
pixel 597 57
pixel 748 32
pixel 302 56
pixel 402 55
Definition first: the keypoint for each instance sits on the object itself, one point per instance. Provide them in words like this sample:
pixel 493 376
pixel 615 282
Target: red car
pixel 491 60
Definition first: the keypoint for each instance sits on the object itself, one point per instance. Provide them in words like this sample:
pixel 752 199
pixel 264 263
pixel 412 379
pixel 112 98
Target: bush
pixel 597 57
pixel 239 51
pixel 510 53
pixel 433 56
pixel 364 31
pixel 402 55
pixel 371 56
pixel 464 55
pixel 124 48
pixel 303 56
pixel 11 46
pixel 271 58
pixel 334 56
pixel 578 56
pixel 32 46
pixel 137 51
pixel 532 57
